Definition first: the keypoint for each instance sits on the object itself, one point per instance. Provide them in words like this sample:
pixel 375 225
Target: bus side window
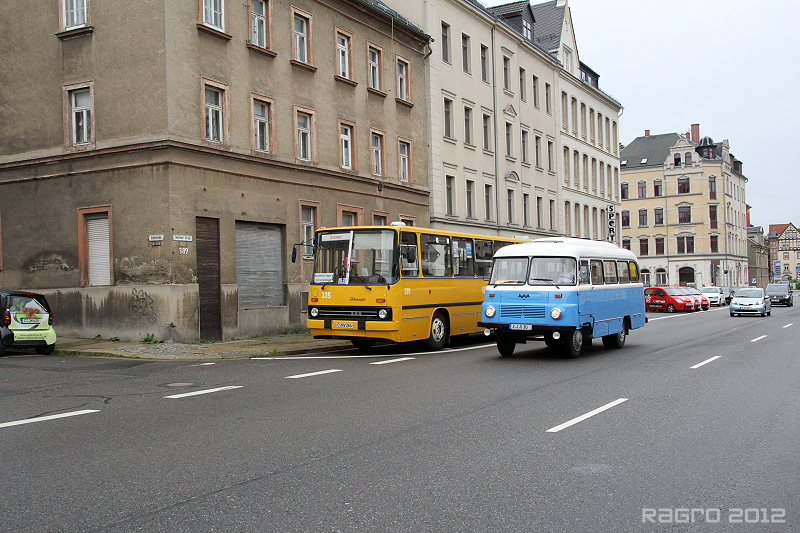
pixel 409 258
pixel 610 271
pixel 463 258
pixel 436 258
pixel 634 270
pixel 584 273
pixel 597 272
pixel 622 268
pixel 483 257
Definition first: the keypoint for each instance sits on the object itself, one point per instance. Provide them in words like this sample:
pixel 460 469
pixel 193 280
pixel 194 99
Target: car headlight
pixel 383 313
pixel 314 312
pixel 490 311
pixel 759 302
pixel 555 313
pixel 733 301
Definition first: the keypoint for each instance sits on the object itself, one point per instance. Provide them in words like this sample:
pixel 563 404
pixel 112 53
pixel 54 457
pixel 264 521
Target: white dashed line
pixel 587 415
pixel 759 338
pixel 698 365
pixel 199 392
pixel 787 325
pixel 313 374
pixel 48 417
pixel 392 361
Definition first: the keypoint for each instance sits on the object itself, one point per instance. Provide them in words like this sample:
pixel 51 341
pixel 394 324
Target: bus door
pixel 413 320
pixel 589 297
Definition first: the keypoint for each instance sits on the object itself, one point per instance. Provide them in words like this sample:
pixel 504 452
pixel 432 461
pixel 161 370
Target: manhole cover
pixel 180 384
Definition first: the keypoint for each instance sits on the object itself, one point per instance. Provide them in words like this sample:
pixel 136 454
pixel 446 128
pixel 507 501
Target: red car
pixel 705 303
pixel 669 299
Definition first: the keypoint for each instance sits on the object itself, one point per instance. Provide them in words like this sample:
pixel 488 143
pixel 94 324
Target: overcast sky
pixel 732 66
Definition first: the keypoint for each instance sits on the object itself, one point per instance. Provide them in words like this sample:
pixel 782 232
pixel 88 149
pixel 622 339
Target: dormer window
pixel 527 30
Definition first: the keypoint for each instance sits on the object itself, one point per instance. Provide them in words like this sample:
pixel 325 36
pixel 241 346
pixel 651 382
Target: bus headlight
pixel 490 311
pixel 555 314
pixel 314 312
pixel 382 314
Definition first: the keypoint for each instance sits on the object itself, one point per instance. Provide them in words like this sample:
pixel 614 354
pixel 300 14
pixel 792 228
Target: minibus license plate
pixel 344 325
pixel 521 327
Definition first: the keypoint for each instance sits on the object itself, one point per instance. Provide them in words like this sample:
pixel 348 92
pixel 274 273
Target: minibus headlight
pixel 314 312
pixel 555 314
pixel 490 311
pixel 382 314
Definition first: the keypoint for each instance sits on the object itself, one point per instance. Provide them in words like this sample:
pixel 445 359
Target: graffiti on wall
pixel 142 304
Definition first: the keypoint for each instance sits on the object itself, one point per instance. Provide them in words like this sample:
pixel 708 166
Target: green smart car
pixel 27 322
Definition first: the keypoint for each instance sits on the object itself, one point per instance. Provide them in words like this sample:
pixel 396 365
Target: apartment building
pixel 784 251
pixel 758 257
pixel 157 168
pixel 684 210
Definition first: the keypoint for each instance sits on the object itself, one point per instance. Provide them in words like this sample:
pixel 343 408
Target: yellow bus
pixel 398 283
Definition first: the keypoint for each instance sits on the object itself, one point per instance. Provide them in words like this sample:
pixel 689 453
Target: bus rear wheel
pixel 438 336
pixel 505 345
pixel 573 344
pixel 615 340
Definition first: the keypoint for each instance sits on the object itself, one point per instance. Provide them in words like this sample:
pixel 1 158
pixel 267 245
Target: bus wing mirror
pixel 294 254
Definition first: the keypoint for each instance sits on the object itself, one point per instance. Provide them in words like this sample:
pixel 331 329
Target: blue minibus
pixel 565 291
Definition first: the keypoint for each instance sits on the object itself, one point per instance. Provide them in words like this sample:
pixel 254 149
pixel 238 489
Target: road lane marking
pixel 48 417
pixel 392 361
pixel 759 338
pixel 198 392
pixel 698 365
pixel 787 325
pixel 313 374
pixel 587 415
pixel 376 356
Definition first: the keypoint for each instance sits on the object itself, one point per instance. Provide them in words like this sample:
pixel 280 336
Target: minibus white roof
pixel 566 246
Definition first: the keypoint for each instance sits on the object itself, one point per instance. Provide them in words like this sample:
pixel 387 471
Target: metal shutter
pixel 259 265
pixel 98 249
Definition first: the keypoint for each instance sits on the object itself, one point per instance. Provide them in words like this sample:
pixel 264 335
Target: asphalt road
pixel 456 441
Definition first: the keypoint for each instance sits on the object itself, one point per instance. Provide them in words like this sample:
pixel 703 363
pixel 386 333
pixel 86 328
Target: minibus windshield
pixel 356 257
pixel 552 271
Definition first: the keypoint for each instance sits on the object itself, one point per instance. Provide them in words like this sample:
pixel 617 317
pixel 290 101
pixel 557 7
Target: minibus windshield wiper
pixel 548 280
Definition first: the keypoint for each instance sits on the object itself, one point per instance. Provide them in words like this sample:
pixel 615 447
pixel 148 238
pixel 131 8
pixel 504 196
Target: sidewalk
pixel 272 346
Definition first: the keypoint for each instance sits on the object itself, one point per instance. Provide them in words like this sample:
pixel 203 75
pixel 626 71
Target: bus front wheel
pixel 573 343
pixel 505 345
pixel 438 336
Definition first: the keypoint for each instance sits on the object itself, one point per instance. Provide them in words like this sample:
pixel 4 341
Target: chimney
pixel 696 133
pixel 647 133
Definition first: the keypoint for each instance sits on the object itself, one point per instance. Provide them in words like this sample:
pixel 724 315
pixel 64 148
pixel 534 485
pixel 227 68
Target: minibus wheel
pixel 615 340
pixel 573 343
pixel 438 336
pixel 505 344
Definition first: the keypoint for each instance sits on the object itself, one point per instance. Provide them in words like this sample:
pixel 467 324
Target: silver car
pixel 750 301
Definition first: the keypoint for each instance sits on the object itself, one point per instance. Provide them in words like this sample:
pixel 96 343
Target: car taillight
pixel 7 318
pixel 50 320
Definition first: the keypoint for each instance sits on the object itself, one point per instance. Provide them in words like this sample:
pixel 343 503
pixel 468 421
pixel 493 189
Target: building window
pixel 535 89
pixel 402 80
pixel 468 125
pixel 644 247
pixel 449 192
pixel 522 85
pixel 301 38
pixel 305 123
pixel 81 116
pixel 658 216
pixel 487 201
pixel 552 214
pixel 548 99
pixel 626 244
pixel 484 64
pixel 527 30
pixel 684 214
pixel 642 189
pixel 379 220
pixel 526 207
pixel 712 217
pixel 537 151
pixel 487 133
pixel 642 217
pixel 509 139
pixel 624 191
pixel 683 185
pixel 343 55
pixel 550 162
pixel 539 214
pixel 574 109
pixel 659 245
pixel 506 73
pixel 688 159
pixel 448 118
pixel 685 245
pixel 308 215
pixel 525 147
pixel 567 60
pixel 346 145
pixel 470 199
pixel 714 243
pixel 626 219
pixel 261 126
pixel 377 153
pixel 712 188
pixel 258 23
pixel 786 256
pixel 213 114
pixel 510 206
pixel 213 13
pixel 75 13
pixel 658 188
pixel 465 55
pixel 445 42
pixel 404 151
pixel 375 68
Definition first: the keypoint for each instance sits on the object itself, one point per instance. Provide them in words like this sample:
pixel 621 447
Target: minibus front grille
pixel 523 311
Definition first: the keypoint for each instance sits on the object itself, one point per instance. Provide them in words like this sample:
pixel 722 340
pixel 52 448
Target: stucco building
pixel 156 168
pixel 684 210
pixel 784 246
pixel 757 257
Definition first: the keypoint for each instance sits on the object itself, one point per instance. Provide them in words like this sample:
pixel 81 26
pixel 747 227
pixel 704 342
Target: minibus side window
pixel 597 272
pixel 610 271
pixel 584 273
pixel 463 257
pixel 409 258
pixel 634 270
pixel 622 268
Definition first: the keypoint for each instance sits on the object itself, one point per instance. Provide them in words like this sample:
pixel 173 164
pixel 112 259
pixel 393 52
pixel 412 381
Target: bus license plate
pixel 520 327
pixel 344 325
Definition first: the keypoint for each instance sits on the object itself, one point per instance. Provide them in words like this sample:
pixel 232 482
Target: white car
pixel 714 295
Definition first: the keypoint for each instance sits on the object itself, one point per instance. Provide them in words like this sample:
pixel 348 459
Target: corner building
pixel 156 169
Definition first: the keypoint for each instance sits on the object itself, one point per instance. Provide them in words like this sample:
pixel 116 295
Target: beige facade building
pixel 684 210
pixel 157 168
pixel 784 246
pixel 758 257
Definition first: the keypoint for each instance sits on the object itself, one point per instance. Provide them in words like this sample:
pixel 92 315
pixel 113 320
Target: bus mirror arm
pixel 294 250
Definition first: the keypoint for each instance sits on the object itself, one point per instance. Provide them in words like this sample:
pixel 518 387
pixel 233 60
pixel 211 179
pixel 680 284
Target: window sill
pixel 526 164
pixel 376 92
pixel 213 31
pixel 449 139
pixel 75 32
pixel 346 81
pixel 304 66
pixel 470 146
pixel 511 158
pixel 404 102
pixel 260 50
pixel 488 152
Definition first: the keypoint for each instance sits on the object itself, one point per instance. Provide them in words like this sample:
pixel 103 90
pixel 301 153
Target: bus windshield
pixel 356 257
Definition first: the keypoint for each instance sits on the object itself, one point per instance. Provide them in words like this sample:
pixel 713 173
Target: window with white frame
pixel 81 104
pixel 509 139
pixel 527 29
pixel 346 144
pixel 214 14
pixel 537 149
pixel 449 193
pixel 465 54
pixel 522 85
pixel 467 125
pixel 548 99
pixel 488 198
pixel 539 213
pixel 258 16
pixel 74 13
pixel 487 132
pixel 374 60
pixel 261 125
pixel 448 118
pixel 301 27
pixel 525 148
pixel 402 79
pixel 304 123
pixel 526 208
pixel 404 153
pixel 484 63
pixel 213 114
pixel 550 161
pixel 377 154
pixel 343 55
pixel 567 59
pixel 510 205
pixel 445 42
pixel 470 190
pixel 309 217
pixel 506 73
pixel 535 89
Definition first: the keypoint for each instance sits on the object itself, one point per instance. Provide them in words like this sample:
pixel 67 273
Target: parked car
pixel 750 301
pixel 669 299
pixel 780 293
pixel 705 303
pixel 27 322
pixel 715 295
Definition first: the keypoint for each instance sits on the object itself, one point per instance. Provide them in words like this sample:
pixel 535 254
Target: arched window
pixel 677 160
